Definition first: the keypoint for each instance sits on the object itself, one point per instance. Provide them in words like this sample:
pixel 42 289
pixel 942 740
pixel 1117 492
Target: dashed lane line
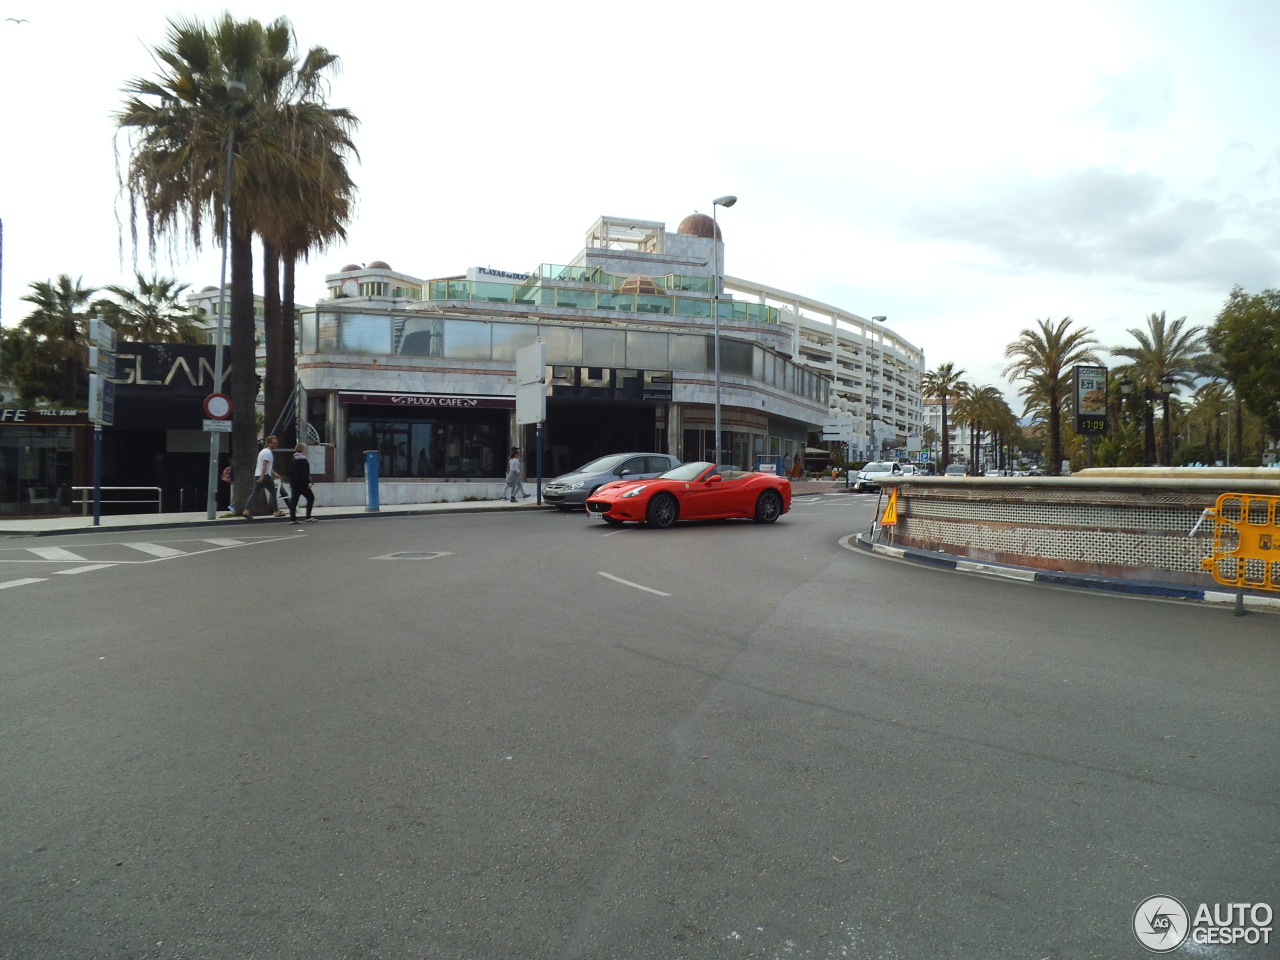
pixel 21 583
pixel 628 583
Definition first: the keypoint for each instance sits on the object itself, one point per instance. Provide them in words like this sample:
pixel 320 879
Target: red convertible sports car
pixel 693 491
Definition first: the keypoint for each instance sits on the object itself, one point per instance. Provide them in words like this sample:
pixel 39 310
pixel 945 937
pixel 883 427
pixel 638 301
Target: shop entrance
pixel 577 431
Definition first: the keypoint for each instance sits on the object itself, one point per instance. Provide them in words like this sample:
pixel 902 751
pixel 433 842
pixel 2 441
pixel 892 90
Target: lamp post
pixel 1149 397
pixel 235 93
pixel 872 453
pixel 715 305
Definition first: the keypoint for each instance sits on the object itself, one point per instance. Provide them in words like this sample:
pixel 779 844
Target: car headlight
pixel 634 493
pixel 575 486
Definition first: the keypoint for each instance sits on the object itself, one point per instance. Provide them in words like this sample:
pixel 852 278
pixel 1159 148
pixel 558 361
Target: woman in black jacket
pixel 300 484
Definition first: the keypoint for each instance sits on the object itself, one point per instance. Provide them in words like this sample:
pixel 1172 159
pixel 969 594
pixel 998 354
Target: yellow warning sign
pixel 890 517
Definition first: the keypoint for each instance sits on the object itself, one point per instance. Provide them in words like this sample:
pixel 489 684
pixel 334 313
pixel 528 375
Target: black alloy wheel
pixel 768 507
pixel 663 511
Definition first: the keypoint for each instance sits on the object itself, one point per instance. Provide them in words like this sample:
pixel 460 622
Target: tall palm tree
pixel 944 384
pixel 181 126
pixel 153 311
pixel 51 364
pixel 1165 353
pixel 1042 358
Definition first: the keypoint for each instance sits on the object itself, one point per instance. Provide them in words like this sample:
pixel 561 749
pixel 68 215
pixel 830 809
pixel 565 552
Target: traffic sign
pixel 217 426
pixel 217 406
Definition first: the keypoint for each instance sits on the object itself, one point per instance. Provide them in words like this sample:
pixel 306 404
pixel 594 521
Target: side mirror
pixel 715 478
pixel 624 473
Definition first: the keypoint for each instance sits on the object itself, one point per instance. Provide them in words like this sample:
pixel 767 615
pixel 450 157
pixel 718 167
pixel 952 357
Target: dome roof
pixel 642 285
pixel 208 289
pixel 349 267
pixel 699 225
pixel 379 265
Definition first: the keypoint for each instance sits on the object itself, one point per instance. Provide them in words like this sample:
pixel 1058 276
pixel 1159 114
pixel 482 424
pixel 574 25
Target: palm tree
pixel 1166 354
pixel 152 312
pixel 182 125
pixel 1043 358
pixel 51 362
pixel 943 384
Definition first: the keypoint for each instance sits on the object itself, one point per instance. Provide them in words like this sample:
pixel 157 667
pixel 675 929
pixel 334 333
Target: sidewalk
pixel 47 526
pixel 61 524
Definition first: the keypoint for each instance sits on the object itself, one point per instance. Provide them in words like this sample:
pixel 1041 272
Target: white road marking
pixel 628 583
pixel 21 583
pixel 57 553
pixel 226 543
pixel 96 566
pixel 155 549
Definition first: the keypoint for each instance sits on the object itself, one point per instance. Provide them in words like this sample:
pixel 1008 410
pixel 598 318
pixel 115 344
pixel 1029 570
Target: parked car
pixel 693 491
pixel 872 472
pixel 570 491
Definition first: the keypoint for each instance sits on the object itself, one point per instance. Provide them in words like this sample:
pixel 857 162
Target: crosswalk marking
pixel 91 567
pixel 225 543
pixel 20 583
pixel 154 549
pixel 56 553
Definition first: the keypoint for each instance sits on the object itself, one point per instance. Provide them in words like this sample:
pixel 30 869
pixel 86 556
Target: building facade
pixel 423 371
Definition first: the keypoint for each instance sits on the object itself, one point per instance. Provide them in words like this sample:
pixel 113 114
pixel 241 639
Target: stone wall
pixel 1133 524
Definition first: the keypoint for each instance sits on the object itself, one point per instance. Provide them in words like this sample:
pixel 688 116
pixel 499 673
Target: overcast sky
pixel 963 168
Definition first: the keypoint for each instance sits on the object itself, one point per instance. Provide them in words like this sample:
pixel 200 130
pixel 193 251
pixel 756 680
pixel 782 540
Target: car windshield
pixel 877 466
pixel 602 464
pixel 687 471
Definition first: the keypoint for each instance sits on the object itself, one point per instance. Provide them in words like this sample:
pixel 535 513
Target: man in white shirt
pixel 264 478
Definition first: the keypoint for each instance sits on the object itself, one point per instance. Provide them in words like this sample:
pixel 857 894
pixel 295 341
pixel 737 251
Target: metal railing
pixel 85 497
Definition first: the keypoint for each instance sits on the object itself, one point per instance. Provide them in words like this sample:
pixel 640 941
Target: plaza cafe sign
pixel 445 401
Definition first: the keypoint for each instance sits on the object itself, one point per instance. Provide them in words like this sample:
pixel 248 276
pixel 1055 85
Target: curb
pixel 1076 581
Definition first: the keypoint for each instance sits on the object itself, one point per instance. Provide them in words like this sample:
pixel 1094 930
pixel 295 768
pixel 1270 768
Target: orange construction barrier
pixel 1246 541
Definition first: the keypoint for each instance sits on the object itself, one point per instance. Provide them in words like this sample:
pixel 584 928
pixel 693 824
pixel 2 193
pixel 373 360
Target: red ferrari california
pixel 693 491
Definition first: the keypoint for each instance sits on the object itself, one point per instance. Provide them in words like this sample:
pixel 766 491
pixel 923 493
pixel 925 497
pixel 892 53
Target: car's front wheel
pixel 663 511
pixel 768 507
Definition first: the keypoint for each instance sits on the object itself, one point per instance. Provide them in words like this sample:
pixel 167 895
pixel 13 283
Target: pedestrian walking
pixel 264 479
pixel 515 471
pixel 300 482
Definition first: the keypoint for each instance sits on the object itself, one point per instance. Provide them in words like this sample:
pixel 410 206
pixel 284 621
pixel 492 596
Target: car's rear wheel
pixel 768 507
pixel 663 511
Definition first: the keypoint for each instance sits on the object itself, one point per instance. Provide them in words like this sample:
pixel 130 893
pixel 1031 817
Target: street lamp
pixel 235 93
pixel 715 304
pixel 1167 386
pixel 871 417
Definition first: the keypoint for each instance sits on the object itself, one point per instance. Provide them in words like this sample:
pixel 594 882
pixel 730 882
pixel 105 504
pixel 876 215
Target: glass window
pixel 466 339
pixel 308 341
pixel 582 299
pixel 564 344
pixel 688 351
pixel 422 337
pixel 647 350
pixel 604 348
pixel 327 333
pixel 365 334
pixel 633 465
pixel 510 337
pixel 736 357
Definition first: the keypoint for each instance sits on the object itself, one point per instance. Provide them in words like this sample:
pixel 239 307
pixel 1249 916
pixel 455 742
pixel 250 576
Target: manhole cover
pixel 412 555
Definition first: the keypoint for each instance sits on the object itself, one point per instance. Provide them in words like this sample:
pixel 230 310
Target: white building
pixel 424 371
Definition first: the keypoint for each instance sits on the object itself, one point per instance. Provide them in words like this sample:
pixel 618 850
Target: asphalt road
pixel 542 737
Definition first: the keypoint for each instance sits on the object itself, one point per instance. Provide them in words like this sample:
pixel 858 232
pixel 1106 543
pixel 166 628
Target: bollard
pixel 371 481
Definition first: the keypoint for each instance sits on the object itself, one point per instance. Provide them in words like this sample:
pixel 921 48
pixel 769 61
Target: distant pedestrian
pixel 300 482
pixel 264 479
pixel 515 472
